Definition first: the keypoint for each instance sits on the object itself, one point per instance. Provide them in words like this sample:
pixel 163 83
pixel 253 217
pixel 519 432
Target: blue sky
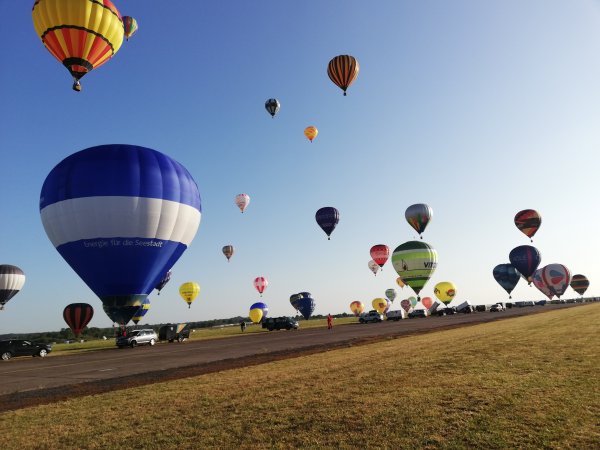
pixel 479 109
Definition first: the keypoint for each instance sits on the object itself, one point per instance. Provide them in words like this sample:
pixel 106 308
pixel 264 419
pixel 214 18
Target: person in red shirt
pixel 329 322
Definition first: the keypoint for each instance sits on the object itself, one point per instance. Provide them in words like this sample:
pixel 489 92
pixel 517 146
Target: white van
pixel 396 315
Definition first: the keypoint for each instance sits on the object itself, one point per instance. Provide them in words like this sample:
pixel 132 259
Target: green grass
pixel 528 382
pixel 198 334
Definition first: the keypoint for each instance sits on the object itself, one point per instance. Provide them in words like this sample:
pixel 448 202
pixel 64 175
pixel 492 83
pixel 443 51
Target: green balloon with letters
pixel 415 262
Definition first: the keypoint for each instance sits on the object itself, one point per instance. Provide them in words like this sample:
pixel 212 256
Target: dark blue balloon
pixel 163 282
pixel 328 218
pixel 506 276
pixel 306 306
pixel 525 259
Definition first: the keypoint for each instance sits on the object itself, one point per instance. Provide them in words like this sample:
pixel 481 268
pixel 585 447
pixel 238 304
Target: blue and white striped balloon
pixel 121 216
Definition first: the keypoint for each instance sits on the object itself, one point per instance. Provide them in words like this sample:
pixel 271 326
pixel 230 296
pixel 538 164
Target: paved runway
pixel 24 379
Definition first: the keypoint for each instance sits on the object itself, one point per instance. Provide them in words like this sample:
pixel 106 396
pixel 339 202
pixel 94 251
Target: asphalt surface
pixel 28 381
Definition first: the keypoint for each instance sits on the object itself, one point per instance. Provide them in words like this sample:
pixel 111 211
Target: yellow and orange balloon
pixel 381 305
pixel 81 34
pixel 357 308
pixel 311 133
pixel 189 291
pixel 445 291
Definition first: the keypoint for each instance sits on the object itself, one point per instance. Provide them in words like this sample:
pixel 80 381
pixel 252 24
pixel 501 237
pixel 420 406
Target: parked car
pixel 449 310
pixel 396 315
pixel 20 347
pixel 174 332
pixel 417 313
pixel 497 307
pixel 371 316
pixel 138 337
pixel 541 303
pixel 280 323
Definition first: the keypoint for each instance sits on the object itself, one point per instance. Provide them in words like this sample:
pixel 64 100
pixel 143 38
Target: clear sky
pixel 479 109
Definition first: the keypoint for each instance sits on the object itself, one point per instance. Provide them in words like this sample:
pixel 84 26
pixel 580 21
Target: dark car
pixel 417 313
pixel 174 332
pixel 449 310
pixel 19 347
pixel 280 323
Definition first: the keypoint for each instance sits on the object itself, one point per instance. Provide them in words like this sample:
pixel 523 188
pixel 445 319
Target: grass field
pixel 528 382
pixel 199 334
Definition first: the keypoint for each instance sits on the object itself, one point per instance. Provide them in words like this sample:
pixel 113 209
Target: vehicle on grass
pixel 396 315
pixel 465 307
pixel 280 323
pixel 137 337
pixel 174 332
pixel 371 316
pixel 571 300
pixel 449 310
pixel 541 303
pixel 497 307
pixel 20 347
pixel 524 303
pixel 417 313
pixel 481 308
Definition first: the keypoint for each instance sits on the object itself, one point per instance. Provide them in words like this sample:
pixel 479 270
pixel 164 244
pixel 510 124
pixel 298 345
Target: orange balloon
pixel 311 133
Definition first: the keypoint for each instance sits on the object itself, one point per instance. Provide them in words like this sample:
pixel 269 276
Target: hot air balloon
pixel 381 305
pixel 77 316
pixel 400 282
pixel 415 262
pixel 380 254
pixel 242 201
pixel 130 26
pixel 121 216
pixel 343 70
pixel 557 278
pixel 418 216
pixel 373 267
pixel 328 218
pixel 228 251
pixel 163 282
pixel 528 222
pixel 444 291
pixel 294 299
pixel 81 34
pixel 12 280
pixel 311 133
pixel 525 259
pixel 306 306
pixel 427 302
pixel 141 312
pixel 357 308
pixel 258 311
pixel 260 284
pixel 272 106
pixel 405 305
pixel 189 291
pixel 390 294
pixel 540 284
pixel 580 283
pixel 413 301
pixel 506 276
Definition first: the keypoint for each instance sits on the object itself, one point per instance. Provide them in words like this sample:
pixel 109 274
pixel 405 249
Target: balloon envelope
pixel 400 282
pixel 306 306
pixel 380 305
pixel 77 316
pixel 528 222
pixel 418 216
pixel 357 308
pixel 189 291
pixel 405 304
pixel 507 276
pixel 272 106
pixel 415 262
pixel 141 312
pixel 390 294
pixel 258 307
pixel 580 283
pixel 121 216
pixel 540 284
pixel 327 218
pixel 380 254
pixel 82 35
pixel 444 291
pixel 311 133
pixel 163 282
pixel 228 251
pixel 343 70
pixel 12 280
pixel 413 301
pixel 255 315
pixel 373 267
pixel 260 284
pixel 242 201
pixel 525 259
pixel 427 302
pixel 130 26
pixel 557 278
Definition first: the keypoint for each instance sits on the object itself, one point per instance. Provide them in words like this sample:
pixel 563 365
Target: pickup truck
pixel 371 316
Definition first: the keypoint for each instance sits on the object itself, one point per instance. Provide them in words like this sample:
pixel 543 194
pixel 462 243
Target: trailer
pixel 174 332
pixel 396 315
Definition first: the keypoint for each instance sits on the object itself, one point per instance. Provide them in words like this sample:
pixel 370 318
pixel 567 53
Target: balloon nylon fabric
pixel 77 316
pixel 343 70
pixel 415 262
pixel 12 280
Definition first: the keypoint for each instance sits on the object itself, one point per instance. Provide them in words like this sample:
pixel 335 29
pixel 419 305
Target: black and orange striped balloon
pixel 343 70
pixel 77 316
pixel 580 283
pixel 528 222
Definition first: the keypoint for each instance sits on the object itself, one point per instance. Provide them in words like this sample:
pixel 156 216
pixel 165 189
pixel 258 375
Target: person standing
pixel 329 322
pixel 243 326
